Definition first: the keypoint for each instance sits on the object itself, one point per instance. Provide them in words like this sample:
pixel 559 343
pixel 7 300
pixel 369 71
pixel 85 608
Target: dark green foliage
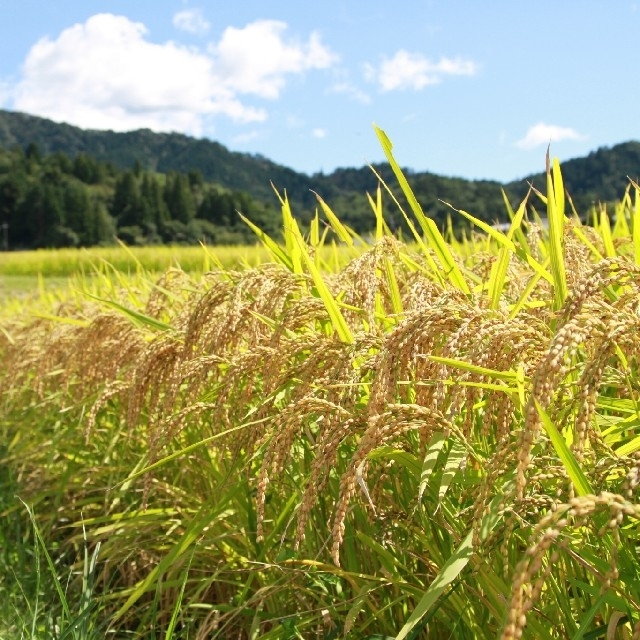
pixel 40 217
pixel 217 207
pixel 153 202
pixel 127 206
pixel 600 177
pixel 204 181
pixel 88 169
pixel 55 201
pixel 179 197
pixel 158 152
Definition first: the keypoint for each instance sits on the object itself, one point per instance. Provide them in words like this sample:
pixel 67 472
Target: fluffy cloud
pixel 256 59
pixel 191 20
pixel 106 74
pixel 319 133
pixel 407 70
pixel 351 91
pixel 542 133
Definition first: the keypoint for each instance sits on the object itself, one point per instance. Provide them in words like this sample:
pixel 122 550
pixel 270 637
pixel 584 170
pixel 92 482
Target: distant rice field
pixel 439 439
pixel 71 262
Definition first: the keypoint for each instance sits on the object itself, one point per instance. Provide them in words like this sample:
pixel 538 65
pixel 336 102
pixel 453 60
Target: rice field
pixel 66 263
pixel 436 439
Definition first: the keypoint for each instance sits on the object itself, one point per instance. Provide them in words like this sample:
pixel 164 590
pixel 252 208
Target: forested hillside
pixel 65 186
pixel 159 152
pixel 600 177
pixel 56 201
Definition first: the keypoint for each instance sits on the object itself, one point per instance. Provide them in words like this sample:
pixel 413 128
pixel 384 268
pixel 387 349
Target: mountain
pixel 599 177
pixel 161 152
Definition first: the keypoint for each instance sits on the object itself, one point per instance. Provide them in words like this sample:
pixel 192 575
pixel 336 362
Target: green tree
pixel 41 217
pixel 179 198
pixel 33 157
pixel 88 169
pixel 127 207
pixel 196 180
pixel 82 215
pixel 13 188
pixel 103 225
pixel 60 161
pixel 155 208
pixel 217 207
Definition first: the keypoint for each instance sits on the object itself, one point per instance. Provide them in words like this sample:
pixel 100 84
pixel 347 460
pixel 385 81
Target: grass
pixel 438 439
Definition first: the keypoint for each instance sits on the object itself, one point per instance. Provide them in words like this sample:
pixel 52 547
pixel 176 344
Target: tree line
pixel 67 199
pixel 57 201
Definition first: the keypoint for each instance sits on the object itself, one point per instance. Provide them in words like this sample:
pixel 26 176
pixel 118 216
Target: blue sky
pixel 462 87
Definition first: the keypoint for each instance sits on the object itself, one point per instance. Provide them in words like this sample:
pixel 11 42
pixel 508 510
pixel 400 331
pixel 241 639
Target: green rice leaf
pixel 77 322
pixel 523 300
pixel 629 447
pixel 291 232
pixel 357 605
pixel 605 234
pixel 434 449
pixel 394 290
pixel 457 453
pixel 509 376
pixel 502 239
pixel 177 607
pixel 635 224
pixel 331 305
pixel 403 458
pixel 340 230
pixel 587 618
pixel 279 255
pixel 518 233
pixel 7 335
pixel 52 568
pixel 200 521
pixel 450 570
pixel 555 217
pixel 381 226
pixel 182 452
pixel 500 266
pixel 447 574
pixel 580 481
pixel 433 267
pixel 314 231
pixel 293 238
pixel 138 318
pixel 428 226
pixel 388 561
pixel 610 597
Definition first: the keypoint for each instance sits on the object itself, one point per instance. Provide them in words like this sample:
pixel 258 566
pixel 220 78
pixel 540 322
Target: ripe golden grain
pixel 256 348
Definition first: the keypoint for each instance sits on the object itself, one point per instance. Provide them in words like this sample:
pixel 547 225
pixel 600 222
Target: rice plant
pixel 437 439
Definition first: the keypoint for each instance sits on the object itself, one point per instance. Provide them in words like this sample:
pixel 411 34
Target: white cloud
pixel 542 133
pixel 191 20
pixel 107 74
pixel 351 91
pixel 319 133
pixel 256 59
pixel 407 70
